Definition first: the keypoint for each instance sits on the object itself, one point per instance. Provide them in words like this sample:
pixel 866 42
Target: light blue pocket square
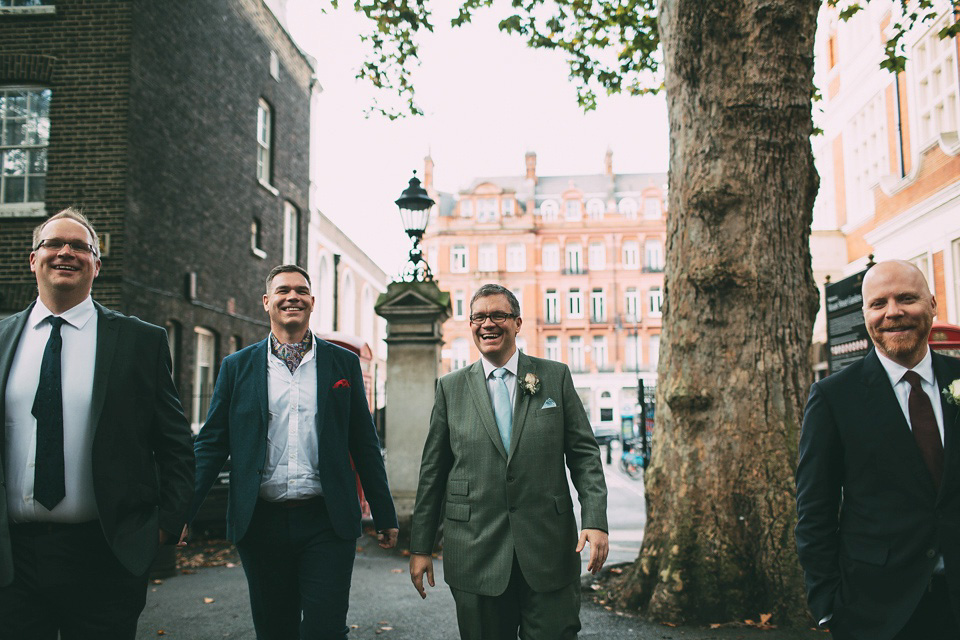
pixel 549 404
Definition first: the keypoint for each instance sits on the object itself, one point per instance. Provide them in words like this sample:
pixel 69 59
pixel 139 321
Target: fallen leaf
pixel 616 570
pixel 158 581
pixel 396 570
pixel 386 628
pixel 765 618
pixel 354 626
pixel 715 625
pixel 230 565
pixel 161 632
pixel 208 601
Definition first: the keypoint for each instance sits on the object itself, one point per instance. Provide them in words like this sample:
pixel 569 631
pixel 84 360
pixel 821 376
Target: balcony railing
pixel 653 268
pixel 577 271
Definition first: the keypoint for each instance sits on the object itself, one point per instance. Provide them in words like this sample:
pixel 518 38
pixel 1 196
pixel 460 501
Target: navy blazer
pixel 870 523
pixel 236 426
pixel 142 462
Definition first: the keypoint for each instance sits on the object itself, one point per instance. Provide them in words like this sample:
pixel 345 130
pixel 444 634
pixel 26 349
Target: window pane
pixel 13 189
pixel 37 187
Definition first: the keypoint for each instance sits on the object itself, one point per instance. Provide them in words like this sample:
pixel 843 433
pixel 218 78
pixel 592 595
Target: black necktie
pixel 49 488
pixel 925 430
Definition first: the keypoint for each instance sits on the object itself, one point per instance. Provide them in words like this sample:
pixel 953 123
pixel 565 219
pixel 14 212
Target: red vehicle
pixel 945 339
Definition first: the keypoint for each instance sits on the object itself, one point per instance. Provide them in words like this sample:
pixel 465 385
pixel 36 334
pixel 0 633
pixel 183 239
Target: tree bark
pixel 740 302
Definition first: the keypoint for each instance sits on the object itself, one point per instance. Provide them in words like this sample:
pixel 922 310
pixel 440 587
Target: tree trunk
pixel 740 302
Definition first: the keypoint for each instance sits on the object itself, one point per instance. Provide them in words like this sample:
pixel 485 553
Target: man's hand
pixel 599 547
pixel 420 563
pixel 182 542
pixel 164 537
pixel 387 538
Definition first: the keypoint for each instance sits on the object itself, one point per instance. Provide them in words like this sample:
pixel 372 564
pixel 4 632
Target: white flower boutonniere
pixel 952 392
pixel 530 384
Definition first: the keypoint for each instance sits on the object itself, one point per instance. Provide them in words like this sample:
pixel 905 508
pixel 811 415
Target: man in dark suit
pixel 291 412
pixel 503 433
pixel 878 480
pixel 96 462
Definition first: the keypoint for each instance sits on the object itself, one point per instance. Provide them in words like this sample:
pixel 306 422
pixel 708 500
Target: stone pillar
pixel 415 313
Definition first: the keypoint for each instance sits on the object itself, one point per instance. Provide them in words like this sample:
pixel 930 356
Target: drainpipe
pixel 336 290
pixel 896 84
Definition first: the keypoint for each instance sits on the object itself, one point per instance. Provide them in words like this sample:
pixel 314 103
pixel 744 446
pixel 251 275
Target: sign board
pixel 847 339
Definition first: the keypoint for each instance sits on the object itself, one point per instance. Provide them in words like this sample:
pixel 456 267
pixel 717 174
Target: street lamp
pixel 415 205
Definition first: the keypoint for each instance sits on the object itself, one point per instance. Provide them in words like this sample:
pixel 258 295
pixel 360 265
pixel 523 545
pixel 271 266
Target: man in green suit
pixel 493 468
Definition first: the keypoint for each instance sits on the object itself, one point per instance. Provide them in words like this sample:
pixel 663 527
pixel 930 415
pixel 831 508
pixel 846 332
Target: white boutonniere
pixel 952 392
pixel 530 384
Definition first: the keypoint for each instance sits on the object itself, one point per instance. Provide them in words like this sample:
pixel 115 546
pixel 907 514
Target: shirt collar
pixel 895 371
pixel 511 365
pixel 76 316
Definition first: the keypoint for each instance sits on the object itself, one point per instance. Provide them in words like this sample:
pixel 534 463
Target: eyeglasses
pixel 56 244
pixel 498 317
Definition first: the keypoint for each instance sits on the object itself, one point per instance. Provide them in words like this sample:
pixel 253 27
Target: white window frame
pixel 628 208
pixel 459 258
pixel 631 305
pixel 516 257
pixel 597 256
pixel 550 256
pixel 291 233
pixel 598 305
pixel 655 302
pixel 486 209
pixel 573 209
pixel 601 356
pixel 507 205
pixel 652 208
pixel 459 305
pixel 256 238
pixel 932 65
pixel 487 257
pixel 551 348
pixel 576 353
pixel 203 375
pixel 549 210
pixel 595 209
pixel 653 352
pixel 630 253
pixel 653 254
pixel 631 353
pixel 33 147
pixel 575 303
pixel 574 257
pixel 264 142
pixel 518 294
pixel 459 354
pixel 466 208
pixel 551 306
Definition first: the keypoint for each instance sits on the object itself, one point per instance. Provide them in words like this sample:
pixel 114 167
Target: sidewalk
pixel 383 605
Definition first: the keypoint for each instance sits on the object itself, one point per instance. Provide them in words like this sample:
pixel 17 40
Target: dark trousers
pixel 552 615
pixel 67 580
pixel 933 619
pixel 298 572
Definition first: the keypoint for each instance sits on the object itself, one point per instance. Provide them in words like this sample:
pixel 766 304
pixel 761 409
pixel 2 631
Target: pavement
pixel 212 603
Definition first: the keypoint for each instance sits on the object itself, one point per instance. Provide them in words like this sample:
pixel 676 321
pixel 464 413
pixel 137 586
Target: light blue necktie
pixel 502 410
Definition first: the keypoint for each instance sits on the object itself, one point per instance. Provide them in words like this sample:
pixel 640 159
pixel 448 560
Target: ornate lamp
pixel 415 205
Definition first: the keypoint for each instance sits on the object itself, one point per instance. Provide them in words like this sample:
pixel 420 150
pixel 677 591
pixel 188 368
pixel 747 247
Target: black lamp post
pixel 415 205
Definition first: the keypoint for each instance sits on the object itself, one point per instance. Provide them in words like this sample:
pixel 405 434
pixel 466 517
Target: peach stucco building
pixel 583 253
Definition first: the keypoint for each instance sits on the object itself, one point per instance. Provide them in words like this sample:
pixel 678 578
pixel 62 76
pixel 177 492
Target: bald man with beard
pixel 878 478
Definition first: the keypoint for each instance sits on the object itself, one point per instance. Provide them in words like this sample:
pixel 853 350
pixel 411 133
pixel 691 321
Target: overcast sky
pixel 487 98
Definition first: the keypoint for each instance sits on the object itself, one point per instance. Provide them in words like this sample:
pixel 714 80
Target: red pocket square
pixel 341 384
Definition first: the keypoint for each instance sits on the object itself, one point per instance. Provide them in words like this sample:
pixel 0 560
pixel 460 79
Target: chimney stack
pixel 531 159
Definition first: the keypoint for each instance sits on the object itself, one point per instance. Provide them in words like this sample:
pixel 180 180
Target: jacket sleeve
pixel 435 465
pixel 172 451
pixel 212 446
pixel 583 458
pixel 819 491
pixel 366 453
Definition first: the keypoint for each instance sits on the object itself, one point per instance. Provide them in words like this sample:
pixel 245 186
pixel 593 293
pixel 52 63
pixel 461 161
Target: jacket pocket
pixel 563 503
pixel 458 487
pixel 549 411
pixel 458 511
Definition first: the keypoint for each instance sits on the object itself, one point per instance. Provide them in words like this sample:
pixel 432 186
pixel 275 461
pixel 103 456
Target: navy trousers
pixel 298 571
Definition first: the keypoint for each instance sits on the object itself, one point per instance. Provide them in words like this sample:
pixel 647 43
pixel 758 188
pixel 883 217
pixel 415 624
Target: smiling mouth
pixel 291 308
pixel 64 267
pixel 489 337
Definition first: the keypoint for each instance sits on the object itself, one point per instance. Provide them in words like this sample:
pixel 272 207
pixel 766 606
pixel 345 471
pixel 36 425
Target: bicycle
pixel 632 463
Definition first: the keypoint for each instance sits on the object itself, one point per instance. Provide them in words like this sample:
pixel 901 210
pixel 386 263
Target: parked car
pixel 604 432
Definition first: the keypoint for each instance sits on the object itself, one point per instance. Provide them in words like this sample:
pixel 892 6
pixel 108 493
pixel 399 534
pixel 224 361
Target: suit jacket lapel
pixel 951 415
pixel 260 378
pixel 107 336
pixel 522 404
pixel 888 419
pixel 481 398
pixel 324 364
pixel 9 339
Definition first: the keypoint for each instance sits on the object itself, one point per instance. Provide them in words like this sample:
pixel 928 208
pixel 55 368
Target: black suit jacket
pixel 142 454
pixel 236 426
pixel 870 523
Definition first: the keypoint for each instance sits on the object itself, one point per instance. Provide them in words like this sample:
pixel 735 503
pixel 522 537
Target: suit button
pixel 513 509
pixel 931 553
pixel 509 478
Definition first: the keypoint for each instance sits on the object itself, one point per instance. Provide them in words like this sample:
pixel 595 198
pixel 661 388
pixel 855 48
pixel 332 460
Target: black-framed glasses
pixel 56 244
pixel 498 317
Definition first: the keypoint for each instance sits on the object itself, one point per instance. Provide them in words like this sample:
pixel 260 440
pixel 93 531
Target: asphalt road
pixel 211 603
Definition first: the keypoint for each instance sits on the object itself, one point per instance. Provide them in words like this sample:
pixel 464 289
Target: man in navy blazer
pixel 291 412
pixel 878 479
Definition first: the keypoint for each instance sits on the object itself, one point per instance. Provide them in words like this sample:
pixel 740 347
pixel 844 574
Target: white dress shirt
pixel 292 469
pixel 901 387
pixel 510 377
pixel 79 333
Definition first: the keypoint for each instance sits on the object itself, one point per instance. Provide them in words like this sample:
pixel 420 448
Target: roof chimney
pixel 531 159
pixel 608 161
pixel 428 172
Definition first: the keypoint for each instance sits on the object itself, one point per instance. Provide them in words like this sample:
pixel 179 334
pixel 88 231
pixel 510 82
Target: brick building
pixel 181 130
pixel 583 253
pixel 889 156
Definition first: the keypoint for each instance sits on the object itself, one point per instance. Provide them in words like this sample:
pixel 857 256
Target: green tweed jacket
pixel 495 503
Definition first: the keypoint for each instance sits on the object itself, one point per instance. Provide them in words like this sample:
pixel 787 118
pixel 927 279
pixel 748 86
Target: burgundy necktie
pixel 924 424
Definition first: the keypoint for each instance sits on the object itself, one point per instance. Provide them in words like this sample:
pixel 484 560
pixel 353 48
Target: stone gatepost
pixel 415 313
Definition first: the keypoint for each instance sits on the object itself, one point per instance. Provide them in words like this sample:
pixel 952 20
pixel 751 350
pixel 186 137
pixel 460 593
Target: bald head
pixel 898 309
